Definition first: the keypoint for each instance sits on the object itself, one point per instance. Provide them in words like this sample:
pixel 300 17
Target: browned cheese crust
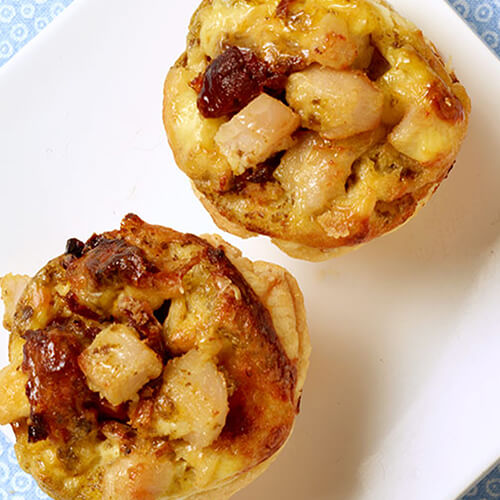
pixel 150 364
pixel 321 124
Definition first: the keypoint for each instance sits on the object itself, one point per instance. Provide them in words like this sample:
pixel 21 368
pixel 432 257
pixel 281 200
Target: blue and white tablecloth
pixel 486 488
pixel 483 16
pixel 14 483
pixel 22 20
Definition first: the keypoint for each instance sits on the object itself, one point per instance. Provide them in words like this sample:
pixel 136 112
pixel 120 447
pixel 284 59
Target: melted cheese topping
pixel 155 370
pixel 362 68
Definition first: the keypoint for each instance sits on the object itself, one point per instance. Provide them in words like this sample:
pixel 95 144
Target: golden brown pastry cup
pixel 216 350
pixel 351 169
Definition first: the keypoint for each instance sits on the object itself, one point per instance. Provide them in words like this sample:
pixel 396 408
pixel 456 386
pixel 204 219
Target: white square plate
pixel 402 396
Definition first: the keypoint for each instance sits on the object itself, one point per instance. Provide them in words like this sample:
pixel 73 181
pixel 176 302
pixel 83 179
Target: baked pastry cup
pixel 150 364
pixel 322 124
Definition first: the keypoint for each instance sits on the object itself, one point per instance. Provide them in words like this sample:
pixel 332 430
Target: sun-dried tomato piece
pixel 74 247
pixel 234 79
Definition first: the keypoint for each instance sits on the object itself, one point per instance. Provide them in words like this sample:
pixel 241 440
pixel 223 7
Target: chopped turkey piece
pixel 259 130
pixel 13 286
pixel 13 401
pixel 117 364
pixel 337 104
pixel 333 46
pixel 315 171
pixel 137 477
pixel 422 135
pixel 198 393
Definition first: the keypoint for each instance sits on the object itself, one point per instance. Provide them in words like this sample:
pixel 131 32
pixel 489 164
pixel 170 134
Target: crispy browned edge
pixel 227 489
pixel 291 248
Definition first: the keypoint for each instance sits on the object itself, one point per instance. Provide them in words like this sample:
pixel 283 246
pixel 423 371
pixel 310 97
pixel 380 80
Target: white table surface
pixel 402 399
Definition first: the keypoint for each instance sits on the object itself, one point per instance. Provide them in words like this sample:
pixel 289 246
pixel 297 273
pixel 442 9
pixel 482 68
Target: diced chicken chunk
pixel 314 172
pixel 259 130
pixel 337 104
pixel 117 364
pixel 13 401
pixel 198 393
pixel 137 477
pixel 333 46
pixel 421 135
pixel 13 286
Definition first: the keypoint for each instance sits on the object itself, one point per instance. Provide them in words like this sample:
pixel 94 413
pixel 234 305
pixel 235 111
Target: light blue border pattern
pixel 14 483
pixel 22 20
pixel 486 488
pixel 483 16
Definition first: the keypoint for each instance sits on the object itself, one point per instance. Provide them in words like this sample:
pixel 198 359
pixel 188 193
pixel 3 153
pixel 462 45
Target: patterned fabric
pixel 483 16
pixel 14 483
pixel 487 488
pixel 21 20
